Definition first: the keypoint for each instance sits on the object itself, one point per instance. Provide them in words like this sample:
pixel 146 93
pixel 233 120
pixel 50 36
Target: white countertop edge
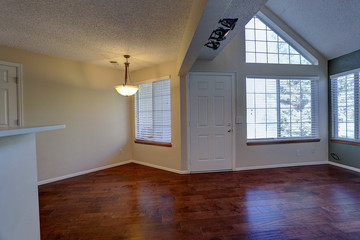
pixel 10 131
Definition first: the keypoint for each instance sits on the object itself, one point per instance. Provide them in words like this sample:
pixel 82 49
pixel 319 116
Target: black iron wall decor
pixel 228 22
pixel 213 44
pixel 220 33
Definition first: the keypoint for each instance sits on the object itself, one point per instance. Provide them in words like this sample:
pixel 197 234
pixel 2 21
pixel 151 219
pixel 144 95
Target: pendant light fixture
pixel 124 89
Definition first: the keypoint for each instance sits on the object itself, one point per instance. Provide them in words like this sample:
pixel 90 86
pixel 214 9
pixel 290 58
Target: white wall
pixel 19 206
pixel 232 59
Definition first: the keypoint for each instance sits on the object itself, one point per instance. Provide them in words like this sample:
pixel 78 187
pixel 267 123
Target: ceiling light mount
pixel 220 33
pixel 212 44
pixel 125 89
pixel 229 22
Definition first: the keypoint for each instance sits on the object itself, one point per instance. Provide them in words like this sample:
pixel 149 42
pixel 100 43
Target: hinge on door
pixel 16 80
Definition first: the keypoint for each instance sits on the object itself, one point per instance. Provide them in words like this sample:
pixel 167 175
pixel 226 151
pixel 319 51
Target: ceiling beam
pixel 204 16
pixel 244 10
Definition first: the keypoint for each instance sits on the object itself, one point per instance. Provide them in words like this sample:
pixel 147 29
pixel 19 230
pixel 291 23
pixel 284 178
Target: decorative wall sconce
pixel 220 33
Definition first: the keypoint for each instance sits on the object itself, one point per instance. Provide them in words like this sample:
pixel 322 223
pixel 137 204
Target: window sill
pixel 343 141
pixel 268 142
pixel 161 144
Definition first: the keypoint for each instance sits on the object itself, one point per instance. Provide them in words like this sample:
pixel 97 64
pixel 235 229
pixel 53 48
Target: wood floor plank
pixel 138 202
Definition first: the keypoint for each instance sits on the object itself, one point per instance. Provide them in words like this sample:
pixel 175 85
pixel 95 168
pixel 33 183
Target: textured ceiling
pixel 330 26
pixel 97 31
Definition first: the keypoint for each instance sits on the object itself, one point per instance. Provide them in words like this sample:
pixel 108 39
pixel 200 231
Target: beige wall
pixel 80 95
pixel 161 156
pixel 231 59
pixel 100 123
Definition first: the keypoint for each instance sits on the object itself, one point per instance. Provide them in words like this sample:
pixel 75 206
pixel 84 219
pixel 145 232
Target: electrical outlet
pixel 298 153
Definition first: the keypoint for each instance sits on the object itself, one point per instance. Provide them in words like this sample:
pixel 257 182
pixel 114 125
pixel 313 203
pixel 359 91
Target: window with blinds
pixel 345 105
pixel 153 112
pixel 281 108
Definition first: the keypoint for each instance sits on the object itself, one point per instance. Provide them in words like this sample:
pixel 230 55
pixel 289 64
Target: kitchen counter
pixel 19 202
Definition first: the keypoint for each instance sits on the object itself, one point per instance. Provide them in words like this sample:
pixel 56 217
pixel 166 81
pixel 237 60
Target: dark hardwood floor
pixel 138 202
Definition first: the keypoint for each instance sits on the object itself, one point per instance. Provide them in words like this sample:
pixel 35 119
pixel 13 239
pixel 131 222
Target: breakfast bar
pixel 19 205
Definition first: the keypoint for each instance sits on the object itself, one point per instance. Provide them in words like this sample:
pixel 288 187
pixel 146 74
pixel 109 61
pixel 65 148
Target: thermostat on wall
pixel 239 119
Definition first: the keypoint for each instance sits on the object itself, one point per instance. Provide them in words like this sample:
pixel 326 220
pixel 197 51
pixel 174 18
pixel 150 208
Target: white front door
pixel 210 121
pixel 8 95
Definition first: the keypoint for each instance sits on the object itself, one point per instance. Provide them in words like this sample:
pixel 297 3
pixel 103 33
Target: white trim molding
pixel 290 36
pixel 344 166
pixel 153 80
pixel 110 166
pixel 19 90
pixel 233 115
pixel 345 73
pixel 281 165
pixel 187 172
pixel 160 167
pixel 82 173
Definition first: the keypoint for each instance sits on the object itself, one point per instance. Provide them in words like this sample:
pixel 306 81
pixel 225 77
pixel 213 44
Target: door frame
pixel 233 115
pixel 19 87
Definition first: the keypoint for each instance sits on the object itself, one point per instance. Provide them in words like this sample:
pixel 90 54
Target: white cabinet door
pixel 210 121
pixel 8 96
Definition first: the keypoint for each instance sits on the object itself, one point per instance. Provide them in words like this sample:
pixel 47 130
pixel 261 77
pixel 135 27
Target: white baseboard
pixel 281 165
pixel 186 172
pixel 344 166
pixel 82 172
pixel 161 167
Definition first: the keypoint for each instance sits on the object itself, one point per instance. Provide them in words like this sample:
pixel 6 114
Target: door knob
pixel 229 130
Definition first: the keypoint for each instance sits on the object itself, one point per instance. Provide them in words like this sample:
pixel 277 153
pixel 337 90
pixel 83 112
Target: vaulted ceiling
pixel 330 26
pixel 156 31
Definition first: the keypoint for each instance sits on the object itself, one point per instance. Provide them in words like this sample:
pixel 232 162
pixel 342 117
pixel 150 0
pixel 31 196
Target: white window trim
pixel 344 73
pixel 19 89
pixel 284 77
pixel 153 80
pixel 316 110
pixel 148 141
pixel 334 123
pixel 278 26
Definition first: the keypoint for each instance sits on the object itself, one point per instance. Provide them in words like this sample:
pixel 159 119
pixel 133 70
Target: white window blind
pixel 280 108
pixel 153 112
pixel 345 105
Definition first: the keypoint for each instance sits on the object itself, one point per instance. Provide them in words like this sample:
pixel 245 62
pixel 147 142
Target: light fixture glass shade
pixel 126 90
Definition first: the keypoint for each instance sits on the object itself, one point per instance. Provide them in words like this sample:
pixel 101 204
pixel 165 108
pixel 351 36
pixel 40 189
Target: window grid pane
pixel 281 108
pixel 263 45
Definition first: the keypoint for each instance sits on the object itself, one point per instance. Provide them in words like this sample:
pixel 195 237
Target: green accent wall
pixel 349 154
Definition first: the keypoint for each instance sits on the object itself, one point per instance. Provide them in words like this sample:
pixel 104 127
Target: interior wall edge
pixel 348 154
pixel 281 165
pixel 160 167
pixel 344 166
pixel 111 166
pixel 82 172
